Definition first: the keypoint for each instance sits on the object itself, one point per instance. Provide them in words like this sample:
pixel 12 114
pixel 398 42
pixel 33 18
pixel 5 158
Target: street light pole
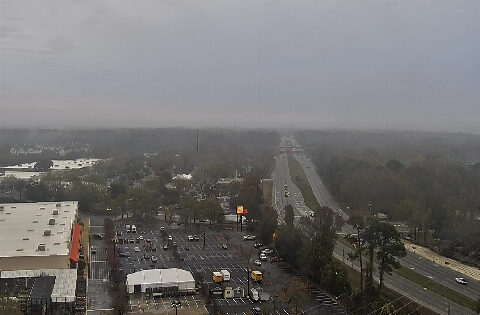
pixel 248 281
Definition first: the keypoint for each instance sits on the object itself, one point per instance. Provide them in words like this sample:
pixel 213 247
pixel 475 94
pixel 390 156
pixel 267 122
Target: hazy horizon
pixel 371 65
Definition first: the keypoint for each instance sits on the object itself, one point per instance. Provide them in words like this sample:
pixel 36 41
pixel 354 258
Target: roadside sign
pixel 240 210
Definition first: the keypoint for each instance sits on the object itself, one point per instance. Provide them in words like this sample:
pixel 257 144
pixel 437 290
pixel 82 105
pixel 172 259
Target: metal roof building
pixel 157 280
pixel 64 284
pixel 38 235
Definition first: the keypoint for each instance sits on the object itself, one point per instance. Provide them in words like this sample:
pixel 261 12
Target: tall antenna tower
pixel 197 140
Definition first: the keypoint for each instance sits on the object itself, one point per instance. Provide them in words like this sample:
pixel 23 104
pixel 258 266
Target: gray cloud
pixel 394 64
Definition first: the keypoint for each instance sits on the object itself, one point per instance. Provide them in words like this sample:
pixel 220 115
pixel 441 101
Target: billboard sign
pixel 239 209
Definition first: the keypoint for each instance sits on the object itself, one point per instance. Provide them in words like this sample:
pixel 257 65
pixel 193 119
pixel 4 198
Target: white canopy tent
pixel 161 278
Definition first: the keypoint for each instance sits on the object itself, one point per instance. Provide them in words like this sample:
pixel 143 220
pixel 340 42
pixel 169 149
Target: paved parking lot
pixel 202 261
pixel 160 305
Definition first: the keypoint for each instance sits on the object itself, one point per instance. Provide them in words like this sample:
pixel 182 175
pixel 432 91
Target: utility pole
pixel 197 140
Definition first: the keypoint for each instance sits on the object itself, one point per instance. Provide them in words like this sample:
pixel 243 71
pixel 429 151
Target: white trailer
pixel 225 274
pixel 254 295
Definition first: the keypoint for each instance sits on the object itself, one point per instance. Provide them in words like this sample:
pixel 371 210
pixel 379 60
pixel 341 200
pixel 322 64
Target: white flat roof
pixel 19 174
pixel 22 227
pixel 65 281
pixel 59 164
pixel 154 276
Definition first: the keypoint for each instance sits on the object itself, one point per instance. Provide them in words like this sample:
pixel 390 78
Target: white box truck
pixel 225 274
pixel 254 295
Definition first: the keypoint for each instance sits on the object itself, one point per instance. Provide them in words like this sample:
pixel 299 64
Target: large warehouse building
pixel 40 250
pixel 161 280
pixel 40 235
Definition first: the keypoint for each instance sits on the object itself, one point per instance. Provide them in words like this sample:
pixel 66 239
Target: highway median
pixel 300 180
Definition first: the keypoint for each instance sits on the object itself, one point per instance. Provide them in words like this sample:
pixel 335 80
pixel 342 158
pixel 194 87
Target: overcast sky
pixel 404 64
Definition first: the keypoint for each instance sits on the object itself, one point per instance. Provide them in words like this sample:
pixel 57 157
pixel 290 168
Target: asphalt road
pixel 430 269
pixel 295 198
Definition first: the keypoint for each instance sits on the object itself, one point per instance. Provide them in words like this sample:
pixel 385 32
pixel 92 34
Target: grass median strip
pixel 427 283
pixel 300 180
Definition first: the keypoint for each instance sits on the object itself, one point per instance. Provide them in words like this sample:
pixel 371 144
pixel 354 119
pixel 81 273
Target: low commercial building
pixel 172 280
pixel 40 235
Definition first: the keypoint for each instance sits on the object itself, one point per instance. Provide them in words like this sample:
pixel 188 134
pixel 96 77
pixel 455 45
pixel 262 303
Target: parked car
pixel 224 246
pixel 136 249
pixel 258 245
pixel 140 238
pixel 146 256
pixel 165 247
pixel 97 236
pixel 148 240
pixel 258 262
pixel 119 233
pixel 162 228
pixel 170 238
pixel 132 240
pixel 190 238
pixel 263 257
pixel 276 259
pixel 154 259
pixel 196 238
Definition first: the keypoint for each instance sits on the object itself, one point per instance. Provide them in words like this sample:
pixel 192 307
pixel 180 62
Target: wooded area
pixel 430 181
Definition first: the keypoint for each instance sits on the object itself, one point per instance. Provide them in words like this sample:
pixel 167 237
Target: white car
pixel 190 238
pixel 263 257
pixel 258 262
pixel 140 237
pixel 170 238
pixel 461 281
pixel 136 249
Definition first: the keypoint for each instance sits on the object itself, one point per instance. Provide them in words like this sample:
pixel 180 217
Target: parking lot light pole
pixel 248 280
pixel 176 304
pixel 204 236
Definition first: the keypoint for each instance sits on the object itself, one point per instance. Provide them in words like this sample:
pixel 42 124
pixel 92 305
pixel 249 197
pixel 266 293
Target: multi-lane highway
pixel 294 198
pixel 435 272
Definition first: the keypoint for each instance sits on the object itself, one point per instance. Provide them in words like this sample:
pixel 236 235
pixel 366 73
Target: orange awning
pixel 77 229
